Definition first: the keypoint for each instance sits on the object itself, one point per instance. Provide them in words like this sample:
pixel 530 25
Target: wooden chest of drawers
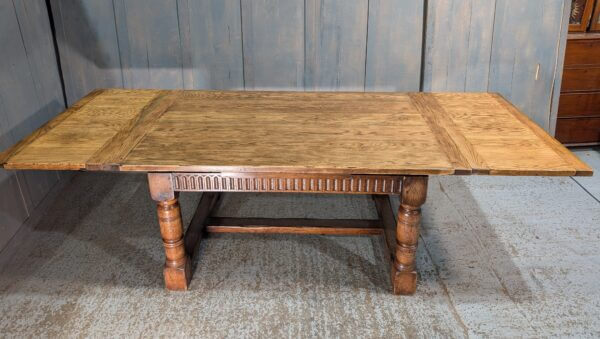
pixel 579 106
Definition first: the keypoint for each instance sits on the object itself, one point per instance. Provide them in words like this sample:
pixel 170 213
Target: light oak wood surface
pixel 294 132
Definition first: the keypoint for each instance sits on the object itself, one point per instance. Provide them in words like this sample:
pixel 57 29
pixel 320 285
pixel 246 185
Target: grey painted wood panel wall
pixel 211 43
pixel 30 94
pixel 335 44
pixel 394 45
pixel 512 47
pixel 237 44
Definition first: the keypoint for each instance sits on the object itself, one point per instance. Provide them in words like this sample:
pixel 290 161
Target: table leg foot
pixel 404 273
pixel 178 278
pixel 403 282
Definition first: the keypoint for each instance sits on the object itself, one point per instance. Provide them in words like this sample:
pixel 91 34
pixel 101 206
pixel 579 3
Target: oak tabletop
pixel 294 132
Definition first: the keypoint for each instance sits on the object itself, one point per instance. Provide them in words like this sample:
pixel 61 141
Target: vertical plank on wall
pixel 34 26
pixel 12 207
pixel 524 54
pixel 13 68
pixel 149 43
pixel 18 83
pixel 37 42
pixel 87 41
pixel 558 67
pixel 480 44
pixel 273 44
pixel 211 37
pixel 458 45
pixel 30 94
pixel 30 97
pixel 13 210
pixel 335 44
pixel 394 45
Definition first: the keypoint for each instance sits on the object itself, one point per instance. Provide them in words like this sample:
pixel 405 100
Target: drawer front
pixel 582 52
pixel 578 130
pixel 581 79
pixel 579 105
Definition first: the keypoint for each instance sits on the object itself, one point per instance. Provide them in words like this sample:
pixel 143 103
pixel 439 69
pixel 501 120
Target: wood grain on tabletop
pixel 294 132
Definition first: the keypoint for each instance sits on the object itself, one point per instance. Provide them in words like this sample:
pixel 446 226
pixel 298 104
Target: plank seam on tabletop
pixel 48 126
pixel 579 167
pixel 116 149
pixel 447 135
pixel 467 150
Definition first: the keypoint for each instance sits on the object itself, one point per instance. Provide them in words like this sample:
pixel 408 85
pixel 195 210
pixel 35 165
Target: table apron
pixel 287 183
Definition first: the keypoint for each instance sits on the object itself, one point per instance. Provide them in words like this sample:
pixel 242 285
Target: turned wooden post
pixel 177 270
pixel 404 273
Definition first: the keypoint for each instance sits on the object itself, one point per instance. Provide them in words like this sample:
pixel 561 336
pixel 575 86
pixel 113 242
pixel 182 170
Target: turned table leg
pixel 404 273
pixel 177 270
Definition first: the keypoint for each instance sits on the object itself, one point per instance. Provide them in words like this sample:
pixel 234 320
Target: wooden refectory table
pixel 291 142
